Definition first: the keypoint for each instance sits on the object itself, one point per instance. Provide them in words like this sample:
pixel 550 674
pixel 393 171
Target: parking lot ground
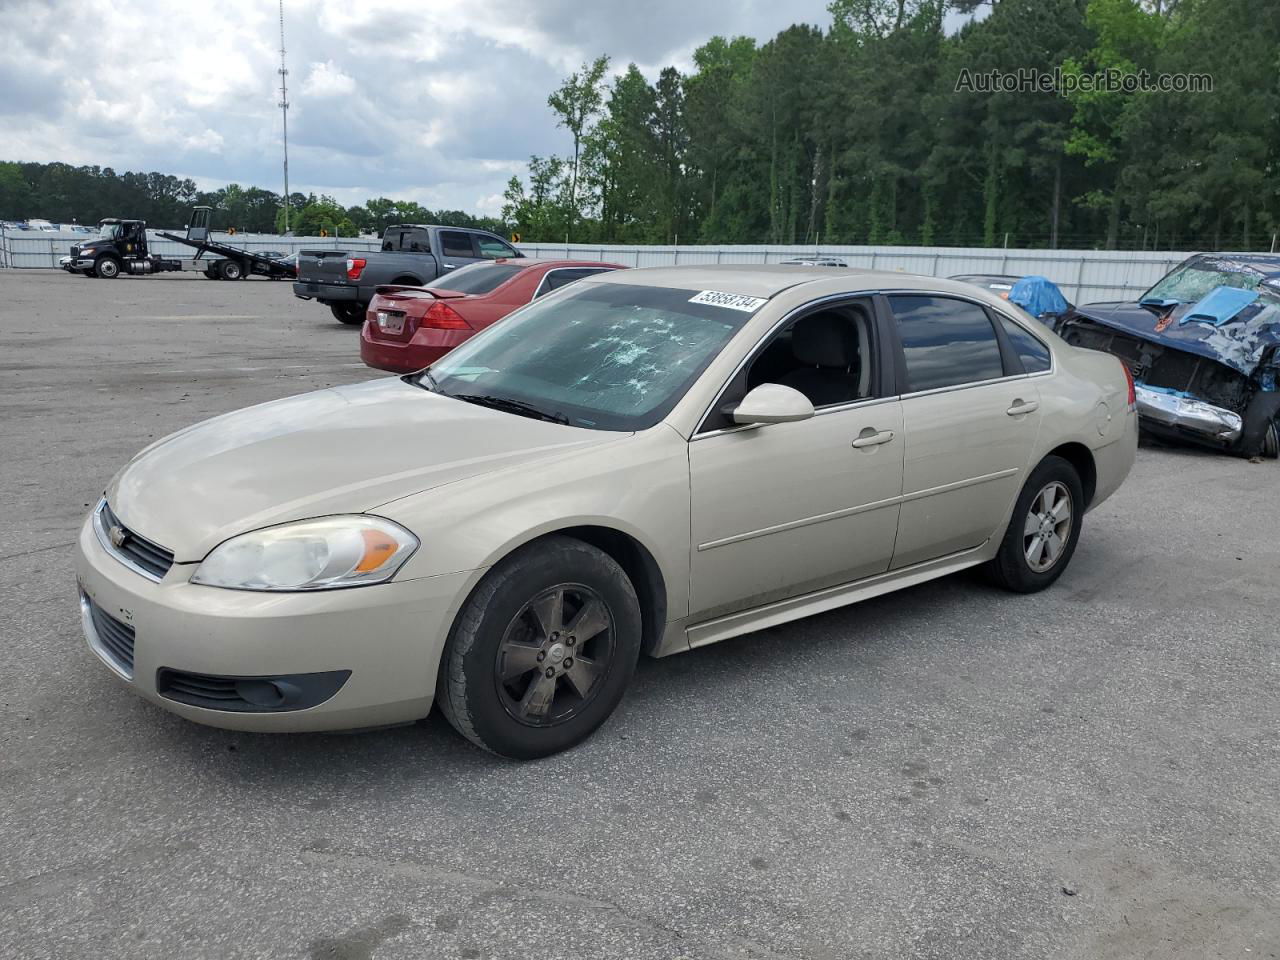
pixel 950 772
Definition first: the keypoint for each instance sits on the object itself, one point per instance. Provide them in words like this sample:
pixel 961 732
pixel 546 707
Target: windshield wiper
pixel 511 405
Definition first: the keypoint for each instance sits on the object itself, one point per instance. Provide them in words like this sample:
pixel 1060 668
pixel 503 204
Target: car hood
pixel 1240 343
pixel 341 450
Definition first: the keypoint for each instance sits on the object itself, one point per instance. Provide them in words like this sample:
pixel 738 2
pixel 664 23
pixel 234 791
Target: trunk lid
pixel 399 311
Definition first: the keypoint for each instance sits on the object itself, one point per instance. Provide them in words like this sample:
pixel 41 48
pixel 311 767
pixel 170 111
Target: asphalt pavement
pixel 947 772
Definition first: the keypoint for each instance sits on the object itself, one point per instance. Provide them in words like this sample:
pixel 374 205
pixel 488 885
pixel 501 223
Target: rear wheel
pixel 1044 530
pixel 108 268
pixel 348 312
pixel 230 270
pixel 542 651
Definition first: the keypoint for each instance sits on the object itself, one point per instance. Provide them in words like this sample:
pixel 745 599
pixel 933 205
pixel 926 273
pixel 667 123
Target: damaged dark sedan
pixel 1203 346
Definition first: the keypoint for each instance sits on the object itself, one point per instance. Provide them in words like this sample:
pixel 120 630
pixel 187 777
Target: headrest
pixel 824 340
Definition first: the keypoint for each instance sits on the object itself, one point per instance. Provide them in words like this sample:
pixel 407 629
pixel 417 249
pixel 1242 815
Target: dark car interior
pixel 822 355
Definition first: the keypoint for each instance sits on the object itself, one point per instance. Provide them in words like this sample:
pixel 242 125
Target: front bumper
pixel 389 637
pixel 1187 415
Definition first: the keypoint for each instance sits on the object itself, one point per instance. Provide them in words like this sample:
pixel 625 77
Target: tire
pixel 406 282
pixel 1260 437
pixel 509 627
pixel 1013 567
pixel 230 270
pixel 348 312
pixel 211 273
pixel 108 268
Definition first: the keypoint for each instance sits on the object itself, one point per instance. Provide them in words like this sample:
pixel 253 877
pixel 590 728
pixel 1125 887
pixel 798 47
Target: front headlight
pixel 309 555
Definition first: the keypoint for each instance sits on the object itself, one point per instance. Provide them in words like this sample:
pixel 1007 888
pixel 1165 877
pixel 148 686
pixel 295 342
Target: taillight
pixel 355 266
pixel 441 316
pixel 1133 393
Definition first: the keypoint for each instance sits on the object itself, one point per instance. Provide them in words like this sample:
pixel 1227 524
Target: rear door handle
pixel 872 439
pixel 1020 407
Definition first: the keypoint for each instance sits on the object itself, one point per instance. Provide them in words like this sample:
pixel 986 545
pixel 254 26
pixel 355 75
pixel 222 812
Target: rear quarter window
pixel 454 244
pixel 1033 354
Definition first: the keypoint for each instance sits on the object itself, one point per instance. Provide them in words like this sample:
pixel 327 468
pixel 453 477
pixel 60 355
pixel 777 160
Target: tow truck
pixel 121 247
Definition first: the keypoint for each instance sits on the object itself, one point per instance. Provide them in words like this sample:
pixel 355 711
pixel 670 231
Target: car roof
pixel 768 279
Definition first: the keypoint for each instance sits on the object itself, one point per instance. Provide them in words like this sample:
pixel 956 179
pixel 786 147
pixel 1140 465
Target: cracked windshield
pixel 606 356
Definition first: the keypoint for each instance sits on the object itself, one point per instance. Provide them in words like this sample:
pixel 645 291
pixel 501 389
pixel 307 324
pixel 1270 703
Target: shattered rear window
pixel 607 356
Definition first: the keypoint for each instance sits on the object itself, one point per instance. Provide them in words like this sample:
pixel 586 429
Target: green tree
pixel 576 102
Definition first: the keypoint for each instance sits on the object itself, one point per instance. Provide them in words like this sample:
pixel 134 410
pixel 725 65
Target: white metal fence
pixel 1083 275
pixel 35 249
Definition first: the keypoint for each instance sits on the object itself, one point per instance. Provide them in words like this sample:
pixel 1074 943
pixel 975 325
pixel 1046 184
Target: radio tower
pixel 284 117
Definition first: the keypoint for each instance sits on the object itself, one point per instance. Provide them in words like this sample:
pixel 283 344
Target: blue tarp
pixel 1038 296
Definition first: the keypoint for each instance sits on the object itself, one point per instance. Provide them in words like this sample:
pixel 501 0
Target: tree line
pixel 866 133
pixel 66 194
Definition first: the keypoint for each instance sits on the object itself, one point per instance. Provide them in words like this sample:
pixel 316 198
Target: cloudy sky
pixel 428 100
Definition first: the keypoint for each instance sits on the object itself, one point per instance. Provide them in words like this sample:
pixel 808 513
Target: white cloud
pixel 438 102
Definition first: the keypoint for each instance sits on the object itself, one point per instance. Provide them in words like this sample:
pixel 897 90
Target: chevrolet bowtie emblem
pixel 117 535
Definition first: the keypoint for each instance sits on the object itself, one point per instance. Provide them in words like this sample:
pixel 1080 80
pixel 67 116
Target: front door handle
pixel 1023 406
pixel 870 439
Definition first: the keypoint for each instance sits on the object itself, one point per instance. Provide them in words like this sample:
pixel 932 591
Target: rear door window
pixel 454 244
pixel 945 342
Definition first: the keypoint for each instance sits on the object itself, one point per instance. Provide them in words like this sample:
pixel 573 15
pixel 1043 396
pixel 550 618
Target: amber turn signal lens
pixel 378 549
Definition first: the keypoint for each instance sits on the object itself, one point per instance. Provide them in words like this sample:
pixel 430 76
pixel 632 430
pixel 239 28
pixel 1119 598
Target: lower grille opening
pixel 111 637
pixel 279 694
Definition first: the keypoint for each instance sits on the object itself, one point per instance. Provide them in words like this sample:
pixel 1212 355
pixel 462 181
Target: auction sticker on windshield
pixel 732 301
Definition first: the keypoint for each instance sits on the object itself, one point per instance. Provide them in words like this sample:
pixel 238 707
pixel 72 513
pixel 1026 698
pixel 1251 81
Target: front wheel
pixel 1260 437
pixel 108 268
pixel 542 651
pixel 348 312
pixel 1044 530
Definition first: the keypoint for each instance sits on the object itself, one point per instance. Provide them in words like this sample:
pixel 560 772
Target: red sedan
pixel 408 328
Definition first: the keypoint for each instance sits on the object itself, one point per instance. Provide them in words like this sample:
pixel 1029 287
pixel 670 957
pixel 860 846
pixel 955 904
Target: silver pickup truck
pixel 411 254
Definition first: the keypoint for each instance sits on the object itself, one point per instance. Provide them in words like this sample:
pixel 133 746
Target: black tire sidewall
pixel 1012 568
pixel 230 267
pixel 346 313
pixel 519 579
pixel 1261 413
pixel 107 261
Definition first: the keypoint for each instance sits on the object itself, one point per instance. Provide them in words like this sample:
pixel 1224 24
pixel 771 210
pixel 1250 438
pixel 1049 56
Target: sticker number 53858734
pixel 731 301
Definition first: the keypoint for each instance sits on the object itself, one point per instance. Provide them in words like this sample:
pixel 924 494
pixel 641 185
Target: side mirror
pixel 772 403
